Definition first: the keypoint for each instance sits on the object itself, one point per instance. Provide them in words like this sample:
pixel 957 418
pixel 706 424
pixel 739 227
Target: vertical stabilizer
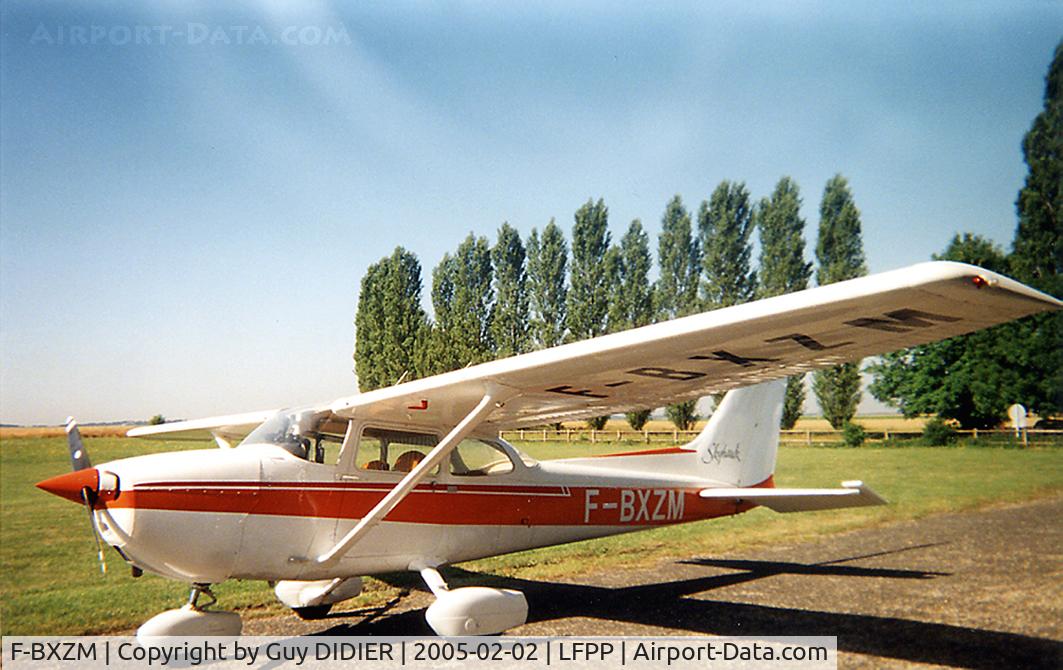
pixel 738 445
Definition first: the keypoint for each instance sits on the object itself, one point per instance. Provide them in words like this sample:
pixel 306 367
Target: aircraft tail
pixel 738 445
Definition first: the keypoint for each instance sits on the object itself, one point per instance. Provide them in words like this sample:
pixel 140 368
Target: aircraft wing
pixel 228 429
pixel 715 351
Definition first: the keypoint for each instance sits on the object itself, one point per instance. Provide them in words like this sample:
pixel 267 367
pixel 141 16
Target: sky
pixel 190 193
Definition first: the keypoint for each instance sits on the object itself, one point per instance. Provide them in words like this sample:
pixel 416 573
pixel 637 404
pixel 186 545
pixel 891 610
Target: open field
pixel 51 583
pixel 11 432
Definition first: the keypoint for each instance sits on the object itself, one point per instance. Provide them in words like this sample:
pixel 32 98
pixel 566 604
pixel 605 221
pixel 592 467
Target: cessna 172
pixel 414 476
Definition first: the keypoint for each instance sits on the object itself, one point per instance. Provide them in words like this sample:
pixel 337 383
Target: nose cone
pixel 69 485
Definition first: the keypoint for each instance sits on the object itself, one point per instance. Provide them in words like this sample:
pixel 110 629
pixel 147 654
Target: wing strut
pixel 493 397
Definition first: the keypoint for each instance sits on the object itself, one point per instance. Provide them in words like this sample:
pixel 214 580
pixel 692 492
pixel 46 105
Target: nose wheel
pixel 194 619
pixel 197 591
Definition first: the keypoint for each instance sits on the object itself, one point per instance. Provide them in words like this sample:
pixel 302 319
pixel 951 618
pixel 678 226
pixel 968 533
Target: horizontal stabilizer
pixel 852 494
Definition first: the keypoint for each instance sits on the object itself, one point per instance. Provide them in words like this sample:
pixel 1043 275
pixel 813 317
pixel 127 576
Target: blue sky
pixel 186 210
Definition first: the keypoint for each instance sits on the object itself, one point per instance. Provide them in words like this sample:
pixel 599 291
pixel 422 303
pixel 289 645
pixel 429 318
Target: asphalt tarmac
pixel 976 589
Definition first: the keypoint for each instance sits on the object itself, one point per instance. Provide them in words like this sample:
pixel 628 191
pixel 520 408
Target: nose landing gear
pixel 194 619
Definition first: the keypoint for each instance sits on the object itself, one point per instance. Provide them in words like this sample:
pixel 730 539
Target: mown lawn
pixel 51 583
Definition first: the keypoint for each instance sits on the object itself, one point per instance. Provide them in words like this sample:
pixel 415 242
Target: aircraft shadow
pixel 668 605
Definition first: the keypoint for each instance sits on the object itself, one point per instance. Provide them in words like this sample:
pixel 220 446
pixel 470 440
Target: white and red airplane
pixel 414 476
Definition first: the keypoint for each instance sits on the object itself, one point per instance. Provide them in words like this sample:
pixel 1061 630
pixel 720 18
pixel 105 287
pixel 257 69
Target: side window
pixel 389 450
pixel 476 458
pixel 326 449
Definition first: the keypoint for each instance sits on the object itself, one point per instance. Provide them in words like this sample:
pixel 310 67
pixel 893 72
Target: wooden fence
pixel 806 437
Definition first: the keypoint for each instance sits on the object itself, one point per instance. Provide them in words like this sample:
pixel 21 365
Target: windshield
pixel 292 430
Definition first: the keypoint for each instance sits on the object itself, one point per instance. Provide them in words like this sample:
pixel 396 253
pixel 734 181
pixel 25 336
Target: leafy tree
pixel 725 223
pixel 679 258
pixel 631 294
pixel 958 378
pixel 588 295
pixel 631 299
pixel 783 268
pixel 441 356
pixel 683 414
pixel 509 323
pixel 391 327
pixel 838 391
pixel 972 378
pixel 547 265
pixel 840 254
pixel 676 292
pixel 156 420
pixel 1038 245
pixel 839 247
pixel 462 299
pixel 615 320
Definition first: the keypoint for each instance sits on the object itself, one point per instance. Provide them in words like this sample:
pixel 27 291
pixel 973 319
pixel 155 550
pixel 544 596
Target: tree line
pixel 517 295
pixel 492 300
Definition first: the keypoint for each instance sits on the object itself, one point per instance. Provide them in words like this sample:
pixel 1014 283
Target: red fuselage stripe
pixel 436 503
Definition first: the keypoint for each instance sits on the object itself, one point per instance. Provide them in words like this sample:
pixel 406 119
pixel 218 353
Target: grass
pixel 51 583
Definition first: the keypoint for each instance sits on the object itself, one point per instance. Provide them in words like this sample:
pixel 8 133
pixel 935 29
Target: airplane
pixel 414 477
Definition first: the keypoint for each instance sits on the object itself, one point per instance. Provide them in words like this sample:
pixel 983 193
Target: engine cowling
pixel 477 610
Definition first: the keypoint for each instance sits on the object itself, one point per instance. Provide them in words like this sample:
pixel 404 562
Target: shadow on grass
pixel 669 605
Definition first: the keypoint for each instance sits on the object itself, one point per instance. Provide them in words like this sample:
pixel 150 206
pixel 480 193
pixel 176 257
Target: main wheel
pixel 313 612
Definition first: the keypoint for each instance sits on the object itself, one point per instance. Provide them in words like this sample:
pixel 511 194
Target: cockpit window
pixel 477 458
pixel 390 450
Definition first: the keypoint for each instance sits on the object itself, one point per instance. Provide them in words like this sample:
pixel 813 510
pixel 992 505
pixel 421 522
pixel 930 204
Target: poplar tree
pixel 462 299
pixel 783 268
pixel 548 291
pixel 1038 245
pixel 391 327
pixel 509 322
pixel 441 355
pixel 1037 256
pixel 679 259
pixel 631 302
pixel 676 292
pixel 725 223
pixel 588 294
pixel 634 291
pixel 840 256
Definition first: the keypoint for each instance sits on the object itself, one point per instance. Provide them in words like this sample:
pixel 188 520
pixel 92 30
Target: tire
pixel 312 613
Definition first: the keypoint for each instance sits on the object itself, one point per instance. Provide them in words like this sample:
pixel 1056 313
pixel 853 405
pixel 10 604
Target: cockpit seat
pixel 408 461
pixel 376 465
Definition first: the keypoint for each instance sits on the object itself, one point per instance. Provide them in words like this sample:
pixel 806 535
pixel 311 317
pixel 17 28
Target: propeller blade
pixel 79 458
pixel 87 495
